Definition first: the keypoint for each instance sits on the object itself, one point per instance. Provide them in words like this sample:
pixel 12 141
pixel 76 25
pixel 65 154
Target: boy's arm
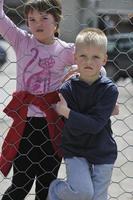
pixel 62 108
pixel 96 119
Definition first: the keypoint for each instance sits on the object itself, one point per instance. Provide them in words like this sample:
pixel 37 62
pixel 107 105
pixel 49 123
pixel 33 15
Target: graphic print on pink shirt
pixel 38 82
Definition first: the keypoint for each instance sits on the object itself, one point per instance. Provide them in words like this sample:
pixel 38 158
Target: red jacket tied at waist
pixel 17 109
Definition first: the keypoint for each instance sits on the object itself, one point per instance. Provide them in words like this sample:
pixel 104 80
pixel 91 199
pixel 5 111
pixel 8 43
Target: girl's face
pixel 42 25
pixel 89 59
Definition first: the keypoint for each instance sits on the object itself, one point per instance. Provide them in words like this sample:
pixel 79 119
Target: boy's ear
pixel 105 59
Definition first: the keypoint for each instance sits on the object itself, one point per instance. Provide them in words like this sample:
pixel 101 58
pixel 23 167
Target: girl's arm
pixel 73 70
pixel 9 31
pixel 116 109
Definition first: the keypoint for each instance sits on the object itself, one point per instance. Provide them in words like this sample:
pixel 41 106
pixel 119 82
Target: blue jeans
pixel 84 181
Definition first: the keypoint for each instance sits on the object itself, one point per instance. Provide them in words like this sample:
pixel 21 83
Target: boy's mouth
pixel 88 68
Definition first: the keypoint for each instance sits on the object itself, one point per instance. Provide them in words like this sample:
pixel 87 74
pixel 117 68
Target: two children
pixel 41 59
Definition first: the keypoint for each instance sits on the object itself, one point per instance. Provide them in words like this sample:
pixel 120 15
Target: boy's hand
pixel 62 108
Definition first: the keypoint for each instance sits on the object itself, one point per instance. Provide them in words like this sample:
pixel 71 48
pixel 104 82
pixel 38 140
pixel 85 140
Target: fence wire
pixel 118 28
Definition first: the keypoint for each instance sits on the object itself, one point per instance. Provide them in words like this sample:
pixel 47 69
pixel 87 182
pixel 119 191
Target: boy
pixel 87 103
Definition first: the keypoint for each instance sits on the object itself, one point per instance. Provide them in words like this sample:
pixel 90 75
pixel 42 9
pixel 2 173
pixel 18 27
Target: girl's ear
pixel 56 32
pixel 26 22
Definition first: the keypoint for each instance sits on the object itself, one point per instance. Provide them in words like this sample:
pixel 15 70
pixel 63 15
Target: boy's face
pixel 89 59
pixel 42 25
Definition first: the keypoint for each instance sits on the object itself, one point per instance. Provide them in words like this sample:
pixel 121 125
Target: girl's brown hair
pixel 50 6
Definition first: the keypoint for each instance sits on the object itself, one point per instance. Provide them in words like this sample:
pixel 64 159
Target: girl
pixel 41 59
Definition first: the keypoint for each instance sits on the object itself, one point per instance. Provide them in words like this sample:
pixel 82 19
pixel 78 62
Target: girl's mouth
pixel 39 30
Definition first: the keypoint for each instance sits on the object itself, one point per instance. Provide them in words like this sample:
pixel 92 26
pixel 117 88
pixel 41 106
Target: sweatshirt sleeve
pixel 9 31
pixel 94 121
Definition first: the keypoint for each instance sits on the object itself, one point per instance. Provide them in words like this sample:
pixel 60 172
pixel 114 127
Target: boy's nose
pixel 88 60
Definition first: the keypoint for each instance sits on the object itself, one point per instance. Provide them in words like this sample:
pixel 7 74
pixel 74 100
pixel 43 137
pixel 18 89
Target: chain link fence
pixel 118 25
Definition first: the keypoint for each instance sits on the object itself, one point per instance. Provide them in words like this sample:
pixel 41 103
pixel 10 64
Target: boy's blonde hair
pixel 49 6
pixel 92 36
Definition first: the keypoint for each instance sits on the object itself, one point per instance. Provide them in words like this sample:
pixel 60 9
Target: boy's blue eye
pixel 96 57
pixel 83 56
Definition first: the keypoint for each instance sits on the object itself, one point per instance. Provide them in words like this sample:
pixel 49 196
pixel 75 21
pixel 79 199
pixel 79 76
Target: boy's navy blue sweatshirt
pixel 87 132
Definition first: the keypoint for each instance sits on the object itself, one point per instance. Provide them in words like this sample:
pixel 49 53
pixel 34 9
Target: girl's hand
pixel 62 108
pixel 73 70
pixel 116 110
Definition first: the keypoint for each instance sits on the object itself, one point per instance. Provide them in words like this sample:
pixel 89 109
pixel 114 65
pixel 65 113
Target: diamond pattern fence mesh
pixel 118 25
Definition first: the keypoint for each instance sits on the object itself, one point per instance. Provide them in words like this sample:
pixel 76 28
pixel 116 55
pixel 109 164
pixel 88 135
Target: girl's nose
pixel 39 23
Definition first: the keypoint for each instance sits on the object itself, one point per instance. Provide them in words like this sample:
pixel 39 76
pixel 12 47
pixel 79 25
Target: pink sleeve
pixel 103 71
pixel 9 31
pixel 70 54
